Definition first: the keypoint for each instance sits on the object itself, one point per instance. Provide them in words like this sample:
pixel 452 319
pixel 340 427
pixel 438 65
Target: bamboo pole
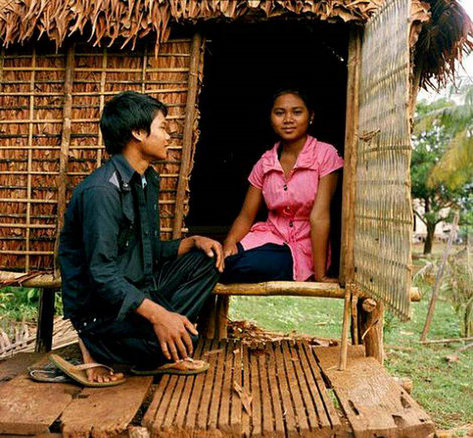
pixel 30 155
pixel 342 364
pixel 349 172
pixel 354 319
pixel 188 134
pixel 64 154
pixel 292 288
pixel 438 279
pixel 103 79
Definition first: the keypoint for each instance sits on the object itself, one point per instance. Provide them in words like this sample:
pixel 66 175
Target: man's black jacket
pixel 110 247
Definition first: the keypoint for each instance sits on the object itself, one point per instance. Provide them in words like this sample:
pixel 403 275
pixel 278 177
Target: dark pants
pixel 269 262
pixel 183 286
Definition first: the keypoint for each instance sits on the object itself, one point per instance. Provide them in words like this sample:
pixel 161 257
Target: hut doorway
pixel 244 65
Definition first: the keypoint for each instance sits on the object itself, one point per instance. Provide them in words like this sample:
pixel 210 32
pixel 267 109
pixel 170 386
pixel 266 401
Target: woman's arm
pixel 320 225
pixel 244 221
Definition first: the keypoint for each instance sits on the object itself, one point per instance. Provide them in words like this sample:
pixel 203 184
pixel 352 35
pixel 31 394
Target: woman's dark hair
pixel 298 92
pixel 124 113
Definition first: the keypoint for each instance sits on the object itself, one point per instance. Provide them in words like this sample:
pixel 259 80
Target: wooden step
pixel 374 403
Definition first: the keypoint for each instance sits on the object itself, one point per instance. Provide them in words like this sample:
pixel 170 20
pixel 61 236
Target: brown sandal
pixel 184 367
pixel 78 372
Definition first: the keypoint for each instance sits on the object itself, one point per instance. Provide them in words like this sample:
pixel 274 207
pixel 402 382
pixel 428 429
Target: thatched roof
pixel 442 40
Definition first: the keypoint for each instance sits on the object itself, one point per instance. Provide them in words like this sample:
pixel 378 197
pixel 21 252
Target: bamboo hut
pixel 214 62
pixel 364 61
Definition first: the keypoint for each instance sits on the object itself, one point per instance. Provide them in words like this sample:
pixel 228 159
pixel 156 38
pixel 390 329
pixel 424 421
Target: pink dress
pixel 290 201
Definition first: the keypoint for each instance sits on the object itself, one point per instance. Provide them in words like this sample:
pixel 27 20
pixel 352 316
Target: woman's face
pixel 290 117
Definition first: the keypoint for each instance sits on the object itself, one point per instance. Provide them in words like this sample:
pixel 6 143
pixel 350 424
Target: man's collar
pixel 123 168
pixel 126 171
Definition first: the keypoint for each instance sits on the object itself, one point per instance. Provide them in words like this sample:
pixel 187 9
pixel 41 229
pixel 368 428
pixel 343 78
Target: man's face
pixel 154 145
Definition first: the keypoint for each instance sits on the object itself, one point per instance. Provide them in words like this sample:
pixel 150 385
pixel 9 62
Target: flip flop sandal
pixel 179 368
pixel 49 373
pixel 78 372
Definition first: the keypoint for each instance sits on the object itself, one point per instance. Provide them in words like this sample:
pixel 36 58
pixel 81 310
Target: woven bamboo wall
pixel 383 214
pixel 50 104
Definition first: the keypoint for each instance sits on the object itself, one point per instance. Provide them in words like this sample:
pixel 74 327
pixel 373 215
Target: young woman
pixel 296 179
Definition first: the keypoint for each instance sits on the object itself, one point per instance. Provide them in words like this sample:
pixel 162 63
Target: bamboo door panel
pixel 383 212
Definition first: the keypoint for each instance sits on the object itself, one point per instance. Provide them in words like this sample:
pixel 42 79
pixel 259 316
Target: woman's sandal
pixel 78 372
pixel 184 367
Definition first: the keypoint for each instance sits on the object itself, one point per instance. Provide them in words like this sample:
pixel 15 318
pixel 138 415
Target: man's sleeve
pixel 168 249
pixel 101 214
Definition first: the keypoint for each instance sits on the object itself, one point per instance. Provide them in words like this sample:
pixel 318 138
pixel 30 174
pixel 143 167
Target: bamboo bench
pixel 366 313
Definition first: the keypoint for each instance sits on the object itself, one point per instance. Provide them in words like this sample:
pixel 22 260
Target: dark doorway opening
pixel 244 65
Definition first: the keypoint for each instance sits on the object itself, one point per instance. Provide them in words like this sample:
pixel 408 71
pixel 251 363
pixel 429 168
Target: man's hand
pixel 212 248
pixel 172 329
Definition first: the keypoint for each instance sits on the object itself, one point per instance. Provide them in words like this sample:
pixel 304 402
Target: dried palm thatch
pixel 447 37
pixel 442 40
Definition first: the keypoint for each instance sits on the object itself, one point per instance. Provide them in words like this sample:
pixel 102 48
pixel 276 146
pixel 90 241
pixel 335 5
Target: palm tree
pixel 455 168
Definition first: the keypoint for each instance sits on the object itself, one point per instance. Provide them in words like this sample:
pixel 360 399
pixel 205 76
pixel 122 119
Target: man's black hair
pixel 124 113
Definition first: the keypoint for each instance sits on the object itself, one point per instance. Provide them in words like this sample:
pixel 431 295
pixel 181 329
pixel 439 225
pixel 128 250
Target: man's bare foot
pixel 99 374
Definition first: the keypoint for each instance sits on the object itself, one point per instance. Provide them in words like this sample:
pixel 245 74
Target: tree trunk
pixel 429 238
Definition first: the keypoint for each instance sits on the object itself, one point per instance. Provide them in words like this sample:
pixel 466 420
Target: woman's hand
pixel 229 249
pixel 325 279
pixel 212 248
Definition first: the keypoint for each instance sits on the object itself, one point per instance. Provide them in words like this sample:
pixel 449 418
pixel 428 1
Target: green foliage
pixel 455 168
pixel 432 141
pixel 18 303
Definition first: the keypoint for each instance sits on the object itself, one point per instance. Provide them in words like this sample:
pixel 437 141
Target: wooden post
pixel 44 333
pixel 64 153
pixel 344 343
pixel 188 136
pixel 350 157
pixel 221 317
pixel 371 327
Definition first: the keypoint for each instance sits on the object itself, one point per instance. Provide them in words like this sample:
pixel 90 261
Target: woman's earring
pixel 310 123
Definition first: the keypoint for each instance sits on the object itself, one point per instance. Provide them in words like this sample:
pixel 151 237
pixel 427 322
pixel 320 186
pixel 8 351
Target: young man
pixel 133 298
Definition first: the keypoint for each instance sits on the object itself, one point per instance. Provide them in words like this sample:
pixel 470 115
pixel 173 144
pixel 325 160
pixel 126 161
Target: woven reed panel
pixel 383 212
pixel 31 126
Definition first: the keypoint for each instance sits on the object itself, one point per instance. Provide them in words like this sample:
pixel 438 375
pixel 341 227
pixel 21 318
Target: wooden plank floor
pixel 281 382
pixel 275 389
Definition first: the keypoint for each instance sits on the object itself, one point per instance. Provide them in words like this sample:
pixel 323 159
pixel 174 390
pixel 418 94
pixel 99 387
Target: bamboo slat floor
pixel 279 389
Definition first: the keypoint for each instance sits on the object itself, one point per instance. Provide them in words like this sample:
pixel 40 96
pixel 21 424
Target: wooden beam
pixel 188 136
pixel 349 172
pixel 44 334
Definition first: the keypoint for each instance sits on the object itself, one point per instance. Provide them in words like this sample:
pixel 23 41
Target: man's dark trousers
pixel 183 286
